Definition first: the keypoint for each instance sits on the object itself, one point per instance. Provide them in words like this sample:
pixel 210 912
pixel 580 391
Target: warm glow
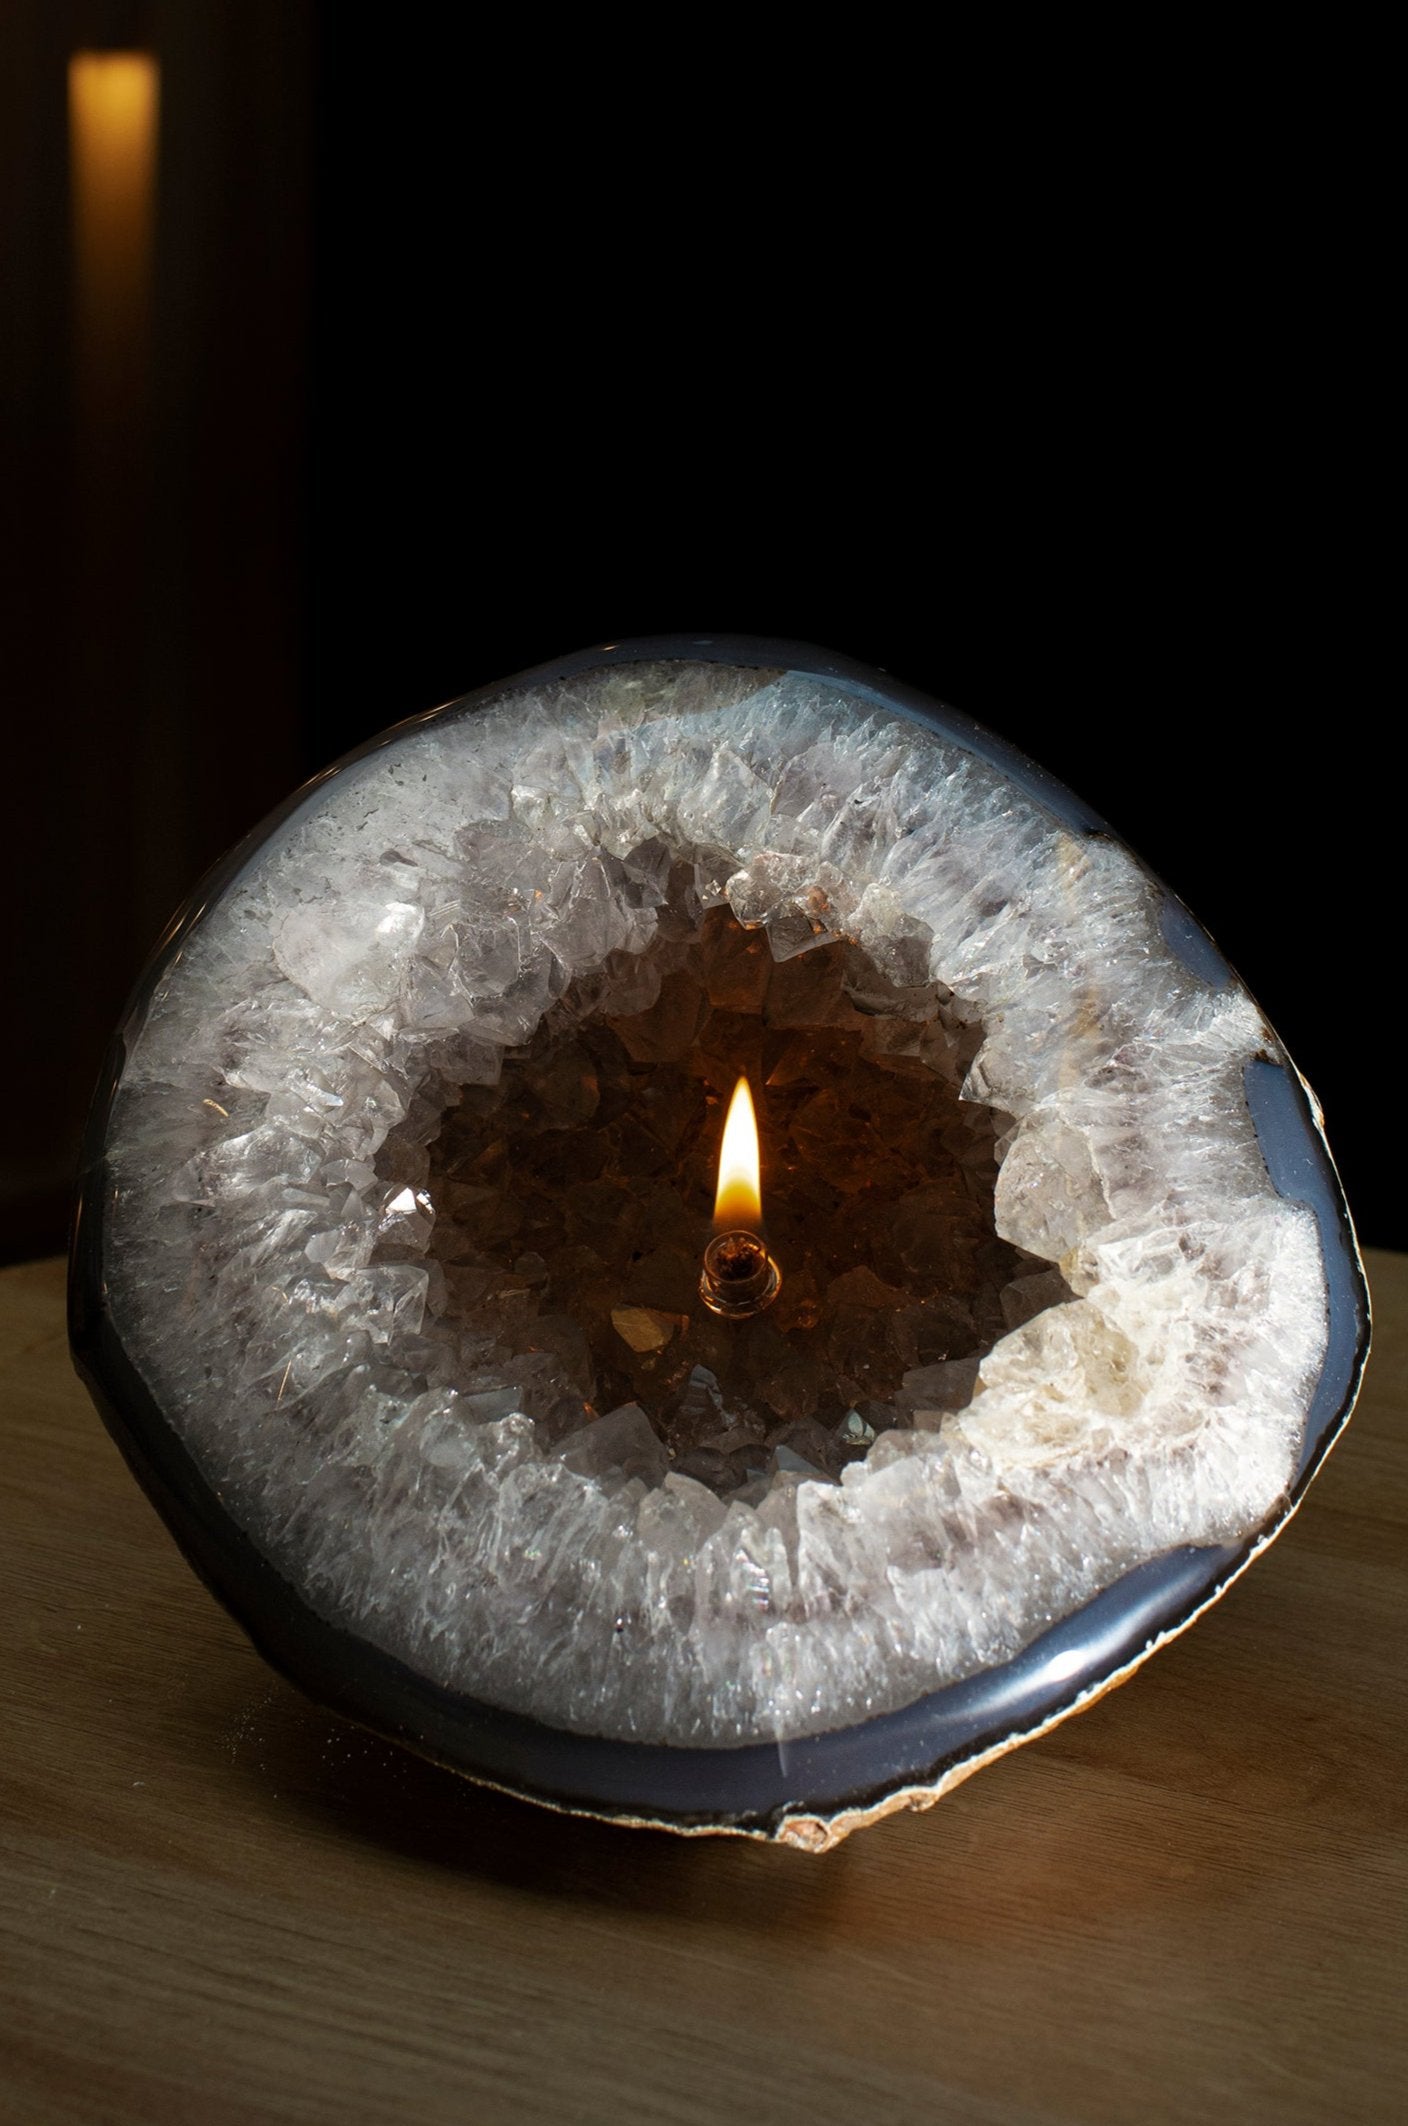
pixel 112 103
pixel 739 1202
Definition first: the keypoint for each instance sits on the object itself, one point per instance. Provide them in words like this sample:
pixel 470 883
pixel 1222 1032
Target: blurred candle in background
pixel 120 797
pixel 112 102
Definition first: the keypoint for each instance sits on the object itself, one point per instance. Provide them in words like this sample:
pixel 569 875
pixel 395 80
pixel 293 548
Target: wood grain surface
pixel 217 1904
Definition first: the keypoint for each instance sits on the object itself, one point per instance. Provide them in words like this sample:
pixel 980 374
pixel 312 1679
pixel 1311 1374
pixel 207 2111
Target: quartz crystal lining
pixel 280 1266
pixel 573 1203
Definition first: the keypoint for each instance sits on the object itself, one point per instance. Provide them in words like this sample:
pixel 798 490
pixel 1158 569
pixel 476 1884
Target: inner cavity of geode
pixel 565 1209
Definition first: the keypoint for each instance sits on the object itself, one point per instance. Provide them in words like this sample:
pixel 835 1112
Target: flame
pixel 739 1201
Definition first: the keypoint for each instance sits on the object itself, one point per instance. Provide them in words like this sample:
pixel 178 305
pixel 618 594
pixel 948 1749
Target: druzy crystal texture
pixel 409 1163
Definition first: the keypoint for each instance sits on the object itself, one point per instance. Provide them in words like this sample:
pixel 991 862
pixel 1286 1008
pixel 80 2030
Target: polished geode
pixel 409 1155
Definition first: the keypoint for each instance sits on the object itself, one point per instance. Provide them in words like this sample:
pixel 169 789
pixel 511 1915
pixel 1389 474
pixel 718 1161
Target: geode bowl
pixel 385 1270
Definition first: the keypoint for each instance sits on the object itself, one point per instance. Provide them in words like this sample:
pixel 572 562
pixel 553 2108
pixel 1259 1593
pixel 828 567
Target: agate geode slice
pixel 385 1268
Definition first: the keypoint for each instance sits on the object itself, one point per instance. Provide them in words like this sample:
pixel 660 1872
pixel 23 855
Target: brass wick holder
pixel 740 1277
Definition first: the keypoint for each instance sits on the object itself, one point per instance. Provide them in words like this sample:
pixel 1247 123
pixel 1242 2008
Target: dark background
pixel 465 356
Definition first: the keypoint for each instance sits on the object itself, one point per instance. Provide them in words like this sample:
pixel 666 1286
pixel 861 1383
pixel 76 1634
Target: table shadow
pixel 291 1752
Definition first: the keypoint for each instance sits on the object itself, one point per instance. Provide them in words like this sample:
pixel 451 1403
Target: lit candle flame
pixel 739 1277
pixel 738 1204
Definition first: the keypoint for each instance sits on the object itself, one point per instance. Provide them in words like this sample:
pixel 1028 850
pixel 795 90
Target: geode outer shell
pixel 766 1667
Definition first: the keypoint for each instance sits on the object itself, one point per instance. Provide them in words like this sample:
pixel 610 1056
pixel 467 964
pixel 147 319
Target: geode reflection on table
pixel 388 1269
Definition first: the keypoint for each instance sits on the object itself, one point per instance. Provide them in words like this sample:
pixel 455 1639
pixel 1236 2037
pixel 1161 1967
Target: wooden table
pixel 218 1904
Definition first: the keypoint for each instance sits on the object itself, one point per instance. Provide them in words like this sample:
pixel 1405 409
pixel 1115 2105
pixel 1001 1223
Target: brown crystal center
pixel 573 1205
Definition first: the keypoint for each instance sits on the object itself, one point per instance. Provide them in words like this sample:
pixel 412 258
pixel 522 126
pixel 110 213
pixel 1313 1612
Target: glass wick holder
pixel 739 1278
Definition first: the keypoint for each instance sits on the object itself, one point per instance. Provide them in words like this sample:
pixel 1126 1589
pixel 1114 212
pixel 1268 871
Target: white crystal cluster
pixel 417 918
